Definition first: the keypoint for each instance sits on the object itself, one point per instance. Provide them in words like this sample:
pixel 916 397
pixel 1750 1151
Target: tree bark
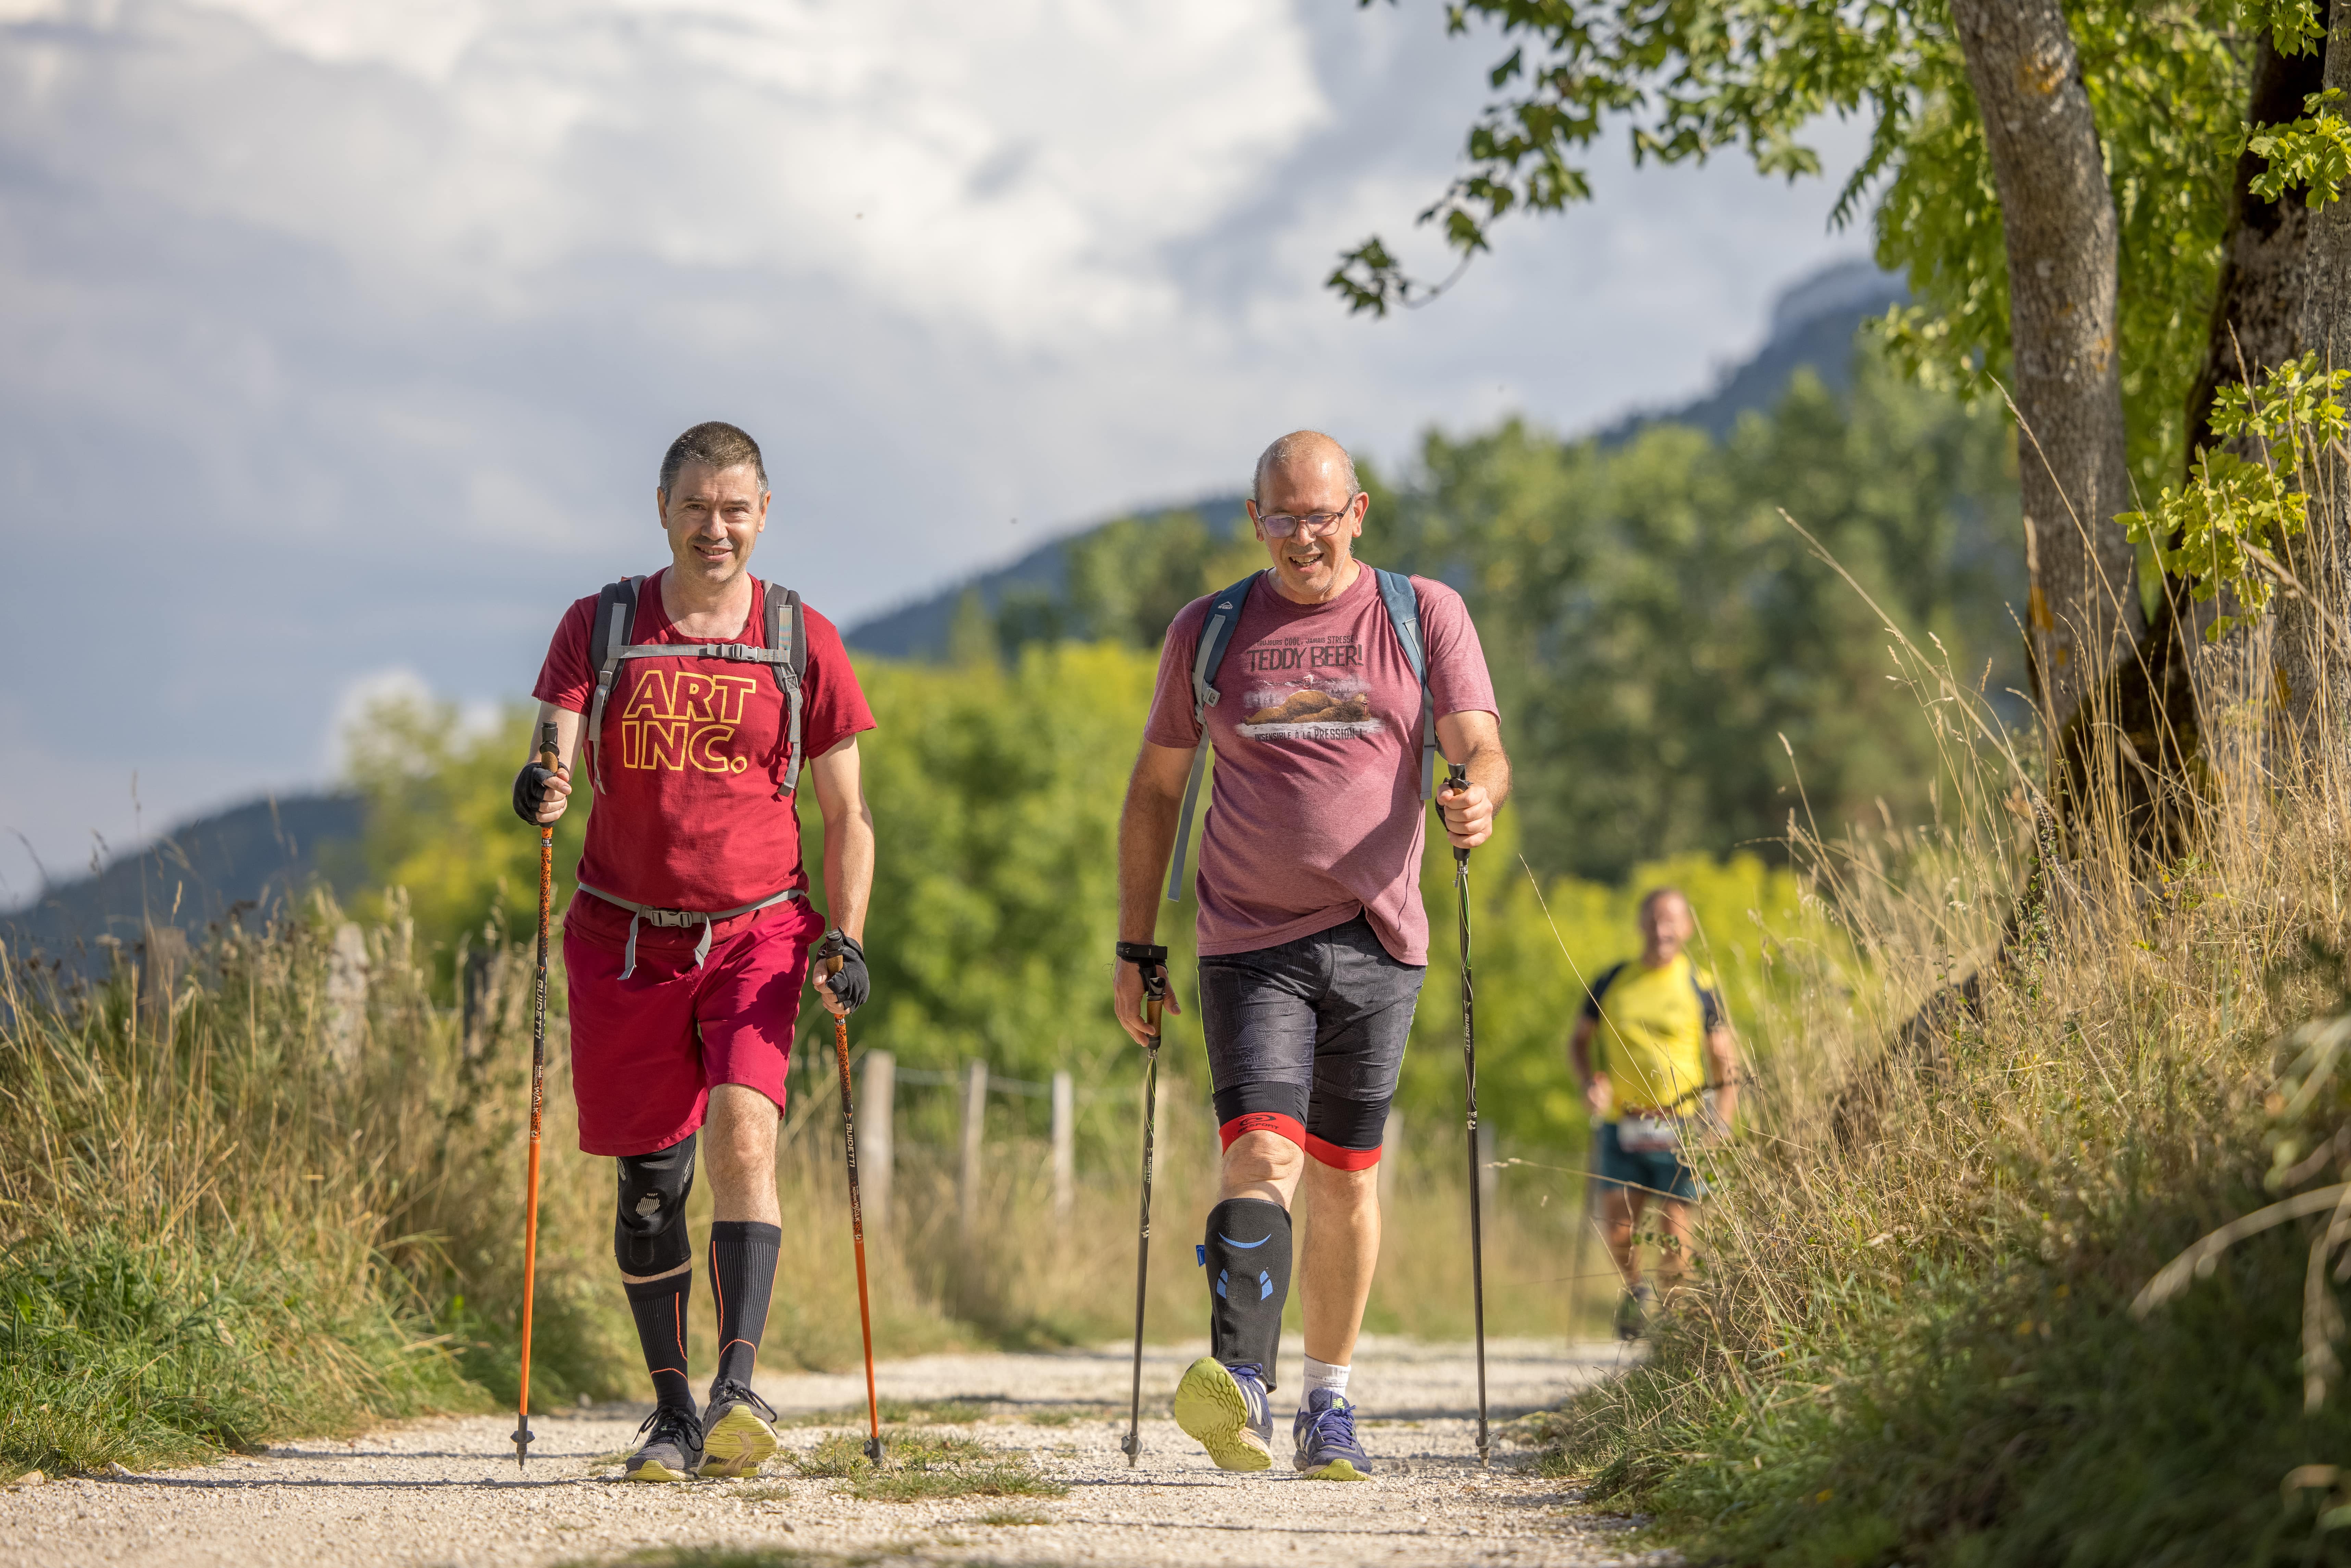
pixel 2057 216
pixel 2313 665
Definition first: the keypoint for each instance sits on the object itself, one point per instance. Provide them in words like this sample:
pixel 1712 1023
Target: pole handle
pixel 1457 776
pixel 550 750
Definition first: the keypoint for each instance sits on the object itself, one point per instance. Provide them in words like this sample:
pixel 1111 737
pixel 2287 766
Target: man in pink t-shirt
pixel 1311 935
pixel 691 936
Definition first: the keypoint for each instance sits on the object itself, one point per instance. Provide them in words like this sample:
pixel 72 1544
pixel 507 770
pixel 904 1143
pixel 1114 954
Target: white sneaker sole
pixel 1212 1410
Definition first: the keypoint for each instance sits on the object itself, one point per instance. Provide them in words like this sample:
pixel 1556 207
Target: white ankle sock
pixel 1321 1374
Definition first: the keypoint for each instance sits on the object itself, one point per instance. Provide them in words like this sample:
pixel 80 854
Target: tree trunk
pixel 2058 216
pixel 2312 666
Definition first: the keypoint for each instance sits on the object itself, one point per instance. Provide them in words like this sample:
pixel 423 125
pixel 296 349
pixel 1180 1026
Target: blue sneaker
pixel 1224 1407
pixel 1325 1433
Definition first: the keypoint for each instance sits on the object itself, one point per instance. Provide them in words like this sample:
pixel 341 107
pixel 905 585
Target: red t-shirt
pixel 693 749
pixel 1315 813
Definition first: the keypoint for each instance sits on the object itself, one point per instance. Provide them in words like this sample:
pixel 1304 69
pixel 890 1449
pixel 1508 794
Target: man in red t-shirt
pixel 691 936
pixel 1311 935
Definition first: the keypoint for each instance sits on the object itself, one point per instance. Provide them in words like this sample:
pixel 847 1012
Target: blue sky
pixel 340 340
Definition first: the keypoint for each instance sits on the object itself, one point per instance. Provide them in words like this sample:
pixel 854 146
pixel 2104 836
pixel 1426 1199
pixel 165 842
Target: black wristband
pixel 1141 954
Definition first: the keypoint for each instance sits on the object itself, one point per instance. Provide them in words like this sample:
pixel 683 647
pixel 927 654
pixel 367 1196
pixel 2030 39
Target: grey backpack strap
pixel 1216 635
pixel 1403 613
pixel 793 645
pixel 608 638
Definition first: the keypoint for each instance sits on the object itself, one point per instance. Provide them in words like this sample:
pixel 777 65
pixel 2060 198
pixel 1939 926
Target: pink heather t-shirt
pixel 1315 813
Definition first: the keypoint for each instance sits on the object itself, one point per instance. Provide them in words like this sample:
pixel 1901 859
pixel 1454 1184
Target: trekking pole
pixel 550 757
pixel 856 1222
pixel 1154 986
pixel 1457 776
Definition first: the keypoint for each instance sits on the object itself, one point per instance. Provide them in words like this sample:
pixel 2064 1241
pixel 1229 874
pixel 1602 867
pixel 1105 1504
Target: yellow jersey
pixel 1651 1038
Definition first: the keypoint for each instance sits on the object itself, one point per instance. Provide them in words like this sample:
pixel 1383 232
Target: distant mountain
pixel 1813 325
pixel 258 855
pixel 252 857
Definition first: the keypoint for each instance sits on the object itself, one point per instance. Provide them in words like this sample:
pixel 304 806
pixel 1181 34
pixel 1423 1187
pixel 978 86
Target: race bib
pixel 1649 1134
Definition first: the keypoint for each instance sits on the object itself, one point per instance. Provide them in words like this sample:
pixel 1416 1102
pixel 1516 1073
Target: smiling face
pixel 1667 925
pixel 1312 567
pixel 712 517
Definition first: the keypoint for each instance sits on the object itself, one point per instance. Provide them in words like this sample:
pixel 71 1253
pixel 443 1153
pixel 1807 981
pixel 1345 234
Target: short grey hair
pixel 1299 444
pixel 717 443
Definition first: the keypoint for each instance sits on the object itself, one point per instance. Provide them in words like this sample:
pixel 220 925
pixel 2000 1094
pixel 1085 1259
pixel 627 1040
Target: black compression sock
pixel 742 1275
pixel 1249 1280
pixel 659 1307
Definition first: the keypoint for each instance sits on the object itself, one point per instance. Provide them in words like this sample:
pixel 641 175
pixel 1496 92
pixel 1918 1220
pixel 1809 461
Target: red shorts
pixel 646 1050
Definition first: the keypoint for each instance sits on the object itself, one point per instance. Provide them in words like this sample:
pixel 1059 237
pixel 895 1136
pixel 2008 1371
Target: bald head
pixel 1306 454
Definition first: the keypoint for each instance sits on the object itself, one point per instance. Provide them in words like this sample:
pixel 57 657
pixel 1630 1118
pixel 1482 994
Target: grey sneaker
pixel 672 1446
pixel 737 1434
pixel 1632 1314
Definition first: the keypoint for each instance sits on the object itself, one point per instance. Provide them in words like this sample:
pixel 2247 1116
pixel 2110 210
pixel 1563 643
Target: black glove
pixel 530 791
pixel 850 985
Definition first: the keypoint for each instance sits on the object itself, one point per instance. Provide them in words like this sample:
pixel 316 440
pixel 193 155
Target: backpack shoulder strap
pixel 608 635
pixel 1216 636
pixel 786 628
pixel 1403 601
pixel 1600 988
pixel 1711 1011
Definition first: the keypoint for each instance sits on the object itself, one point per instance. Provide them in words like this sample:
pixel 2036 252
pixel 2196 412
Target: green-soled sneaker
pixel 672 1450
pixel 1224 1408
pixel 1328 1449
pixel 738 1435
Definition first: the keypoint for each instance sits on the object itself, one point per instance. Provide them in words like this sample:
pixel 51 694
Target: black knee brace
pixel 1247 1254
pixel 649 1230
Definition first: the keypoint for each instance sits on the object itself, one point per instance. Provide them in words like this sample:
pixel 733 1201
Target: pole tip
pixel 523 1438
pixel 873 1449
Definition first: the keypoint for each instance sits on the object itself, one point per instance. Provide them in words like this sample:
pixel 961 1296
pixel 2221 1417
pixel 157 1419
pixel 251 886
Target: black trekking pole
pixel 1457 776
pixel 1154 986
pixel 550 759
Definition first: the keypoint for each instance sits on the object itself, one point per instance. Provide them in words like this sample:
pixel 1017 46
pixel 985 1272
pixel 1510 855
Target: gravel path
pixel 446 1491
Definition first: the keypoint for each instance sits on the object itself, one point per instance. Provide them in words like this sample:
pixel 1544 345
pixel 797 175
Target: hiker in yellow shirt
pixel 1665 1042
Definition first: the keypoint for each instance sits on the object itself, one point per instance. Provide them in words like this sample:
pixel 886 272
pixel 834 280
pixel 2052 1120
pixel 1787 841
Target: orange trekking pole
pixel 549 758
pixel 856 1221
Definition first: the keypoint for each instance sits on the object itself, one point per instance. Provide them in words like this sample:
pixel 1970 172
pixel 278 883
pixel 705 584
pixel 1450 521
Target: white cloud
pixel 338 336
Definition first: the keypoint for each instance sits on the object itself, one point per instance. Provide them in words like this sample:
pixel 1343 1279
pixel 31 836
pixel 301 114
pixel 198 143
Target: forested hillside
pixel 1670 655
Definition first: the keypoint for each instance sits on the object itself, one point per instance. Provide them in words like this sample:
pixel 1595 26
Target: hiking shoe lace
pixel 737 1432
pixel 1324 1432
pixel 672 1450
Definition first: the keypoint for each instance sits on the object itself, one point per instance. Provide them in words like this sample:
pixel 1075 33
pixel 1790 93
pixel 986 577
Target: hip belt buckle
pixel 1649 1132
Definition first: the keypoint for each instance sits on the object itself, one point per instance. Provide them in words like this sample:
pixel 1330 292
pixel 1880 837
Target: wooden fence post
pixel 877 1152
pixel 975 1123
pixel 1065 1145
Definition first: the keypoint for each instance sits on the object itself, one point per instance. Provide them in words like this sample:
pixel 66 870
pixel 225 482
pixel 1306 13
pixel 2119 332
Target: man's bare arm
pixel 1146 837
pixel 1722 1055
pixel 1594 1084
pixel 1473 738
pixel 839 779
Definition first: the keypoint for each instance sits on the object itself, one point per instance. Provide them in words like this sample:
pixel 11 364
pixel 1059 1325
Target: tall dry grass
pixel 2026 1071
pixel 271 1188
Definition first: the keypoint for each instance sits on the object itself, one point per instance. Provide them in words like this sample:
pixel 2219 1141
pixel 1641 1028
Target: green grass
pixel 918 1465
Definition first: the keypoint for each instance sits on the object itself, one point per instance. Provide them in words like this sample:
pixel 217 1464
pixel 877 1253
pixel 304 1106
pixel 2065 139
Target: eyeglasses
pixel 1282 525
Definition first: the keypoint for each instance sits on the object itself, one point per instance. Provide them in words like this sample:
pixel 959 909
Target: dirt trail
pixel 446 1491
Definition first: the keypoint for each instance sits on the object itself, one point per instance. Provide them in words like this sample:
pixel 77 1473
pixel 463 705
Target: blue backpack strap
pixel 1403 613
pixel 608 635
pixel 1216 636
pixel 793 645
